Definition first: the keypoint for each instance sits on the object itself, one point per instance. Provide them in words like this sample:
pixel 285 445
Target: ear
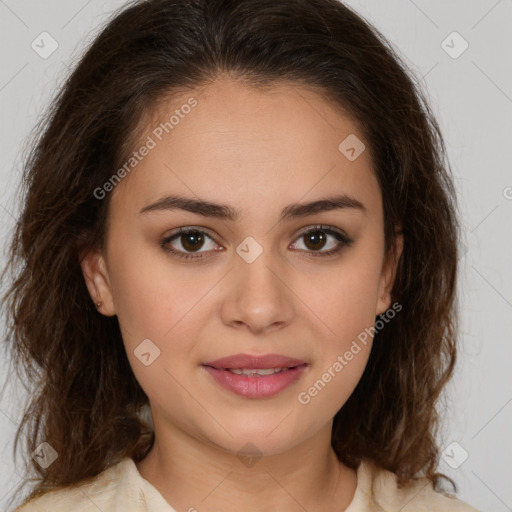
pixel 95 272
pixel 388 274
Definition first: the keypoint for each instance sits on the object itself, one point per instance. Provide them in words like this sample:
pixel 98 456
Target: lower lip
pixel 255 387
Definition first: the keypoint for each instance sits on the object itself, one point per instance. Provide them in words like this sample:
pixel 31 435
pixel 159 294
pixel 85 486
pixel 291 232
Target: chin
pixel 247 439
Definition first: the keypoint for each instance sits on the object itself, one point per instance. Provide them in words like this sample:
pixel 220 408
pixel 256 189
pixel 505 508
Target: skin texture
pixel 258 152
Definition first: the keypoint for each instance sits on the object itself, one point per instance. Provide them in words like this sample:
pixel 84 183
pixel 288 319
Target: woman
pixel 238 218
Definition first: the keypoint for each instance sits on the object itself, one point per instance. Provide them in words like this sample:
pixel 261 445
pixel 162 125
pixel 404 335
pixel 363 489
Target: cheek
pixel 159 313
pixel 343 351
pixel 345 302
pixel 152 298
pixel 331 386
pixel 344 297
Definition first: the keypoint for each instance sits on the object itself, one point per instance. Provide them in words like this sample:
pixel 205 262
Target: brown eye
pixel 187 241
pixel 317 239
pixel 192 241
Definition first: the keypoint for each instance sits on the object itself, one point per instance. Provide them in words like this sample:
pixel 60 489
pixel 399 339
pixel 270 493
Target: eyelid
pixel 320 227
pixel 213 235
pixel 186 229
pixel 343 241
pixel 166 239
pixel 193 229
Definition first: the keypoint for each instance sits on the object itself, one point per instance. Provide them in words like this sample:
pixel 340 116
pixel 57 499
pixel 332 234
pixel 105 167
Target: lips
pixel 255 376
pixel 267 361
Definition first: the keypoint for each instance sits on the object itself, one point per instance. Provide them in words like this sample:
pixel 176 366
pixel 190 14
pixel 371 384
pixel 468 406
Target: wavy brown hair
pixel 85 400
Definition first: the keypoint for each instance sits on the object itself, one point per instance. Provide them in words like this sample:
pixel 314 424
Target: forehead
pixel 227 139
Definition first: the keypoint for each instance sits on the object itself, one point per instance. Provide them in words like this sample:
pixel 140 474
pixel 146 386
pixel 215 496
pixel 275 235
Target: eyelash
pixel 345 242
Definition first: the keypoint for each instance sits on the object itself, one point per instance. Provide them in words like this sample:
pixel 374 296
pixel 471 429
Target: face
pixel 264 277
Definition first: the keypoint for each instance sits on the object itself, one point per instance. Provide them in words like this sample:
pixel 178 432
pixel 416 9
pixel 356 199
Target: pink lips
pixel 255 386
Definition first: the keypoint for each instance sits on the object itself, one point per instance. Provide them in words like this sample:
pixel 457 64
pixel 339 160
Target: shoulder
pixel 378 490
pixel 116 488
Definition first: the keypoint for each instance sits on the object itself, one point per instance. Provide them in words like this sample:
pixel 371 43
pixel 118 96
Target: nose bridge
pixel 257 265
pixel 260 298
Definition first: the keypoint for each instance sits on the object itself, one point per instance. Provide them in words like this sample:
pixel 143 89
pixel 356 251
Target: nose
pixel 258 294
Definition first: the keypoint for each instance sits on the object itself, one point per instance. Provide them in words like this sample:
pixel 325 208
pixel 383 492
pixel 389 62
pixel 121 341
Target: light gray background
pixel 472 97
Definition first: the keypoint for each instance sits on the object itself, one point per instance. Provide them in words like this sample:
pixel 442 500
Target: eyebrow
pixel 225 212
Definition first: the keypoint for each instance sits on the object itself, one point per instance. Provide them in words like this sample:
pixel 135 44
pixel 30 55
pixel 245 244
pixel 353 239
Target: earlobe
pixel 95 272
pixel 388 274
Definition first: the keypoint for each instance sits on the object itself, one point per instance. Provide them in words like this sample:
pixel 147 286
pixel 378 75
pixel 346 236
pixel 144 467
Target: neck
pixel 191 474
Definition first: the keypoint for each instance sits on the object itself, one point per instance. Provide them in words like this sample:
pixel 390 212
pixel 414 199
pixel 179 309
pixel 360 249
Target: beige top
pixel 121 488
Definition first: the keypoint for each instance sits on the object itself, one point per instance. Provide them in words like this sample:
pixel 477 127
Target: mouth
pixel 257 372
pixel 255 376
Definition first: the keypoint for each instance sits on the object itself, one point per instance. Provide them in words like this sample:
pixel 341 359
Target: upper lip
pixel 241 361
